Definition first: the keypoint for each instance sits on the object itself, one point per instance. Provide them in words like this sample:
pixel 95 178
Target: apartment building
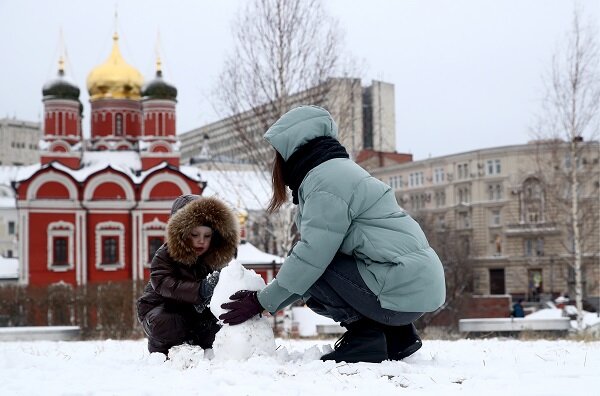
pixel 365 117
pixel 507 204
pixel 19 142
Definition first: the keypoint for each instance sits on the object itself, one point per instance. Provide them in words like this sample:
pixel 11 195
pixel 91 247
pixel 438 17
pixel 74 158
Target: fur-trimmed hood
pixel 207 211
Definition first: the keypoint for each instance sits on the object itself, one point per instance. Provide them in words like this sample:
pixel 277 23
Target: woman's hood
pixel 299 126
pixel 207 211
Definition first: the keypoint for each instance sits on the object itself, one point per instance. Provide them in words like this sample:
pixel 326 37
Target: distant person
pixel 361 260
pixel 202 237
pixel 518 311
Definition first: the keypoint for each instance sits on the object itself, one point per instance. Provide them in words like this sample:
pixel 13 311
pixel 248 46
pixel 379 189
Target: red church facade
pixel 96 209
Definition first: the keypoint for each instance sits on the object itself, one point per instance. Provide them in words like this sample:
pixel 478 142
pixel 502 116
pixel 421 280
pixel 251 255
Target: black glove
pixel 207 286
pixel 244 306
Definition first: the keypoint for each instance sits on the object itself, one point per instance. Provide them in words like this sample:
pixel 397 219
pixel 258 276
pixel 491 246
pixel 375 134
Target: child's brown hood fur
pixel 206 211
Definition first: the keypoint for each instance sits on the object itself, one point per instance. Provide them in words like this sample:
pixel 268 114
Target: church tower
pixel 116 112
pixel 159 142
pixel 62 138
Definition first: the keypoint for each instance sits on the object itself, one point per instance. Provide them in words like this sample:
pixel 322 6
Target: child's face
pixel 200 239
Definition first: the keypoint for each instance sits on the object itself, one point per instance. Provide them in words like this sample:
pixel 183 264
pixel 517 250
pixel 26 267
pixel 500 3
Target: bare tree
pixel 287 53
pixel 283 47
pixel 569 120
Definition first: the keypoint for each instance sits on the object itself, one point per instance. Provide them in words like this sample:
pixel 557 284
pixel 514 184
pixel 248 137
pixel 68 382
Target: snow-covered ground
pixel 440 368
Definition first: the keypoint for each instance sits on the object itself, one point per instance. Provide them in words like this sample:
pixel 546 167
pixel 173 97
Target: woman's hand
pixel 245 305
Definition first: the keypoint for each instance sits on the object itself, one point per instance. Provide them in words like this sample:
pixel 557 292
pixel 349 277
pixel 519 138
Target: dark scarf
pixel 308 156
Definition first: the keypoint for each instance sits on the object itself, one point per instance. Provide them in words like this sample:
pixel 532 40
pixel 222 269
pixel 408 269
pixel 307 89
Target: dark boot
pixel 203 332
pixel 363 342
pixel 402 341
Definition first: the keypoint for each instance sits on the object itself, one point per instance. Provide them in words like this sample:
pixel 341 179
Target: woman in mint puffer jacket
pixel 361 259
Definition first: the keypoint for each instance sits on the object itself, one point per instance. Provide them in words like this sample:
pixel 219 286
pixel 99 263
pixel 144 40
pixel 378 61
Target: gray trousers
pixel 342 295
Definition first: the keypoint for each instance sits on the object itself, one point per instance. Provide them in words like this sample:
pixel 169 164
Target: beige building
pixel 365 116
pixel 506 204
pixel 19 142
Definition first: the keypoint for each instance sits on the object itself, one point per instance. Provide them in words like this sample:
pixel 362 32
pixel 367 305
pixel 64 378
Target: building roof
pixel 250 190
pixel 126 162
pixel 249 254
pixel 241 189
pixel 382 156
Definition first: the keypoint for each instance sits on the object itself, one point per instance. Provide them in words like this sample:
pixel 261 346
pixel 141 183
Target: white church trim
pixel 98 180
pixel 51 176
pixel 164 177
pixel 150 229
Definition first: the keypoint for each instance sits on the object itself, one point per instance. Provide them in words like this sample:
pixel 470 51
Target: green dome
pixel 60 88
pixel 159 89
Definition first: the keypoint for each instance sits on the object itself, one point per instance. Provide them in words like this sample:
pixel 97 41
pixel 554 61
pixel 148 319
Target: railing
pixel 532 228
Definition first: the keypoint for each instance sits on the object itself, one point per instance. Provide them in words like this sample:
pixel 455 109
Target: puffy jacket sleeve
pixel 164 280
pixel 325 221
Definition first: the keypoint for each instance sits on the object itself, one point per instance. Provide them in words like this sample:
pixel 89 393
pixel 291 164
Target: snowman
pixel 254 337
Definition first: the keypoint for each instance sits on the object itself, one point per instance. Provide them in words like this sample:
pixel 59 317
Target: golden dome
pixel 114 78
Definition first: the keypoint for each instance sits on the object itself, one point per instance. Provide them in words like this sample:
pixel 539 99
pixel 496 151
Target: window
pixel 110 245
pixel 11 228
pixel 532 201
pixel 464 220
pixel 438 175
pixel 61 256
pixel 497 282
pixel 463 171
pixel 416 179
pixel 396 182
pixel 154 243
pixel 418 201
pixel 464 195
pixel 493 167
pixel 495 219
pixel 109 250
pixel 534 247
pixel 440 199
pixel 153 236
pixel 494 192
pixel 59 248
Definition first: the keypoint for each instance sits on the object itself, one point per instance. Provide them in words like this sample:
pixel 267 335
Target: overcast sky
pixel 467 73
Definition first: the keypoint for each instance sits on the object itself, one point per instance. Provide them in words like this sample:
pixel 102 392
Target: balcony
pixel 516 229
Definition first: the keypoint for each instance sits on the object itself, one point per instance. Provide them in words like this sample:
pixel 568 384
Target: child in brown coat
pixel 202 237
